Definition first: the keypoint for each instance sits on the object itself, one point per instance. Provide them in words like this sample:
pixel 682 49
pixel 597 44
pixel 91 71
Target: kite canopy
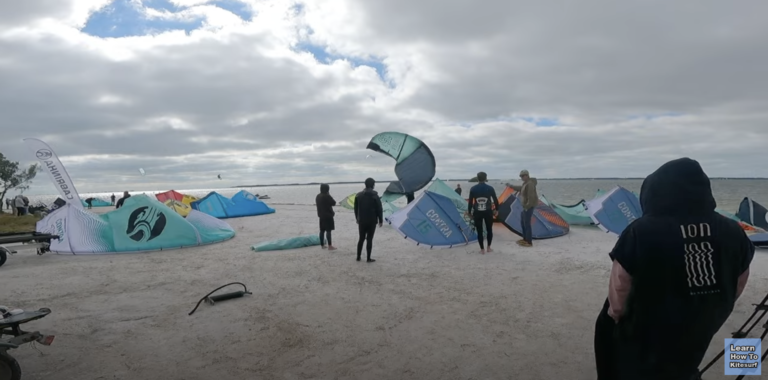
pixel 759 240
pixel 170 194
pixel 142 224
pixel 440 187
pixel 241 204
pixel 96 202
pixel 545 222
pixel 753 213
pixel 182 209
pixel 349 201
pixel 432 219
pixel 415 165
pixel 614 210
pixel 289 243
pixel 574 214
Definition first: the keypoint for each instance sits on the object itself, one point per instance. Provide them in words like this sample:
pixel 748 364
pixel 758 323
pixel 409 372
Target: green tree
pixel 13 178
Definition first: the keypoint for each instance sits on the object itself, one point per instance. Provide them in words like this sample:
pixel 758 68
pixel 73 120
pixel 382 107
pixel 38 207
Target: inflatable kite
pixel 415 165
pixel 142 224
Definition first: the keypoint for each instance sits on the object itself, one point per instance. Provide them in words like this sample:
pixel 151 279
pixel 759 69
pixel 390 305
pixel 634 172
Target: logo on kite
pixel 43 154
pixel 145 224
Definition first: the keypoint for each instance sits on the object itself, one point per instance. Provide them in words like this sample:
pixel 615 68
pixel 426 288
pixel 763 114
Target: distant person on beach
pixel 120 201
pixel 18 202
pixel 325 202
pixel 677 273
pixel 113 199
pixel 481 198
pixel 89 202
pixel 8 203
pixel 458 189
pixel 529 199
pixel 368 211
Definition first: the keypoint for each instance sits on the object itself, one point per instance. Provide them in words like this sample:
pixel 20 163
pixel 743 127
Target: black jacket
pixel 685 260
pixel 121 200
pixel 325 203
pixel 368 207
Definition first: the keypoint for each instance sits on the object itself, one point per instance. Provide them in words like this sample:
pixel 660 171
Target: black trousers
pixel 487 219
pixel 604 350
pixel 366 231
pixel 327 237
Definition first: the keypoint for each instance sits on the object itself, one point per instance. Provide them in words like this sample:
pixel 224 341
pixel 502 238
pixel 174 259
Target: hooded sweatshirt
pixel 677 272
pixel 368 208
pixel 325 202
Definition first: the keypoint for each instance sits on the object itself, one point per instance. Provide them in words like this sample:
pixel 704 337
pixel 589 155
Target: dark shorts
pixel 327 224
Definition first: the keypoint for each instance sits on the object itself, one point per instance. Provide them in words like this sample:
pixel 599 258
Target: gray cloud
pixel 243 105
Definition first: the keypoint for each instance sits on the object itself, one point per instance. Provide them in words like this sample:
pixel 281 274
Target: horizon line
pixel 489 180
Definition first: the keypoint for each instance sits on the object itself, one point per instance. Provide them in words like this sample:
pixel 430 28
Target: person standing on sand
pixel 19 203
pixel 662 309
pixel 479 207
pixel 325 202
pixel 529 200
pixel 368 211
pixel 458 189
pixel 120 201
pixel 113 199
pixel 89 202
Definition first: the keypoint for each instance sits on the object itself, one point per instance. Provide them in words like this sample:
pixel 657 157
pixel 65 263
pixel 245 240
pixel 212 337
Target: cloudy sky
pixel 280 91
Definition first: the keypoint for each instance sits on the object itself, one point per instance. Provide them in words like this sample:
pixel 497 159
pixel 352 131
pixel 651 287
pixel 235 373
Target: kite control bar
pixel 211 300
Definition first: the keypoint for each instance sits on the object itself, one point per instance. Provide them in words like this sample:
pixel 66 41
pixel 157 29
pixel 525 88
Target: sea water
pixel 728 192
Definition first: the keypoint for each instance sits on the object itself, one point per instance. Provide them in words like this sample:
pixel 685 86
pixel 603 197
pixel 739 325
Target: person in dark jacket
pixel 89 202
pixel 480 207
pixel 120 201
pixel 368 212
pixel 458 189
pixel 113 199
pixel 325 202
pixel 677 272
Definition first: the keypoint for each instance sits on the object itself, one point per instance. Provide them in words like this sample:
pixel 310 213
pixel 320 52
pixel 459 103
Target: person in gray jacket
pixel 529 199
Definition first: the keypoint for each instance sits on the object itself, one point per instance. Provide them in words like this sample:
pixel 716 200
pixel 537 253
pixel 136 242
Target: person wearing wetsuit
pixel 368 212
pixel 120 201
pixel 325 202
pixel 677 273
pixel 458 189
pixel 480 208
pixel 113 199
pixel 89 202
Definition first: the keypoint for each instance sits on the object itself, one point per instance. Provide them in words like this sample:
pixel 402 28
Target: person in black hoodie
pixel 325 202
pixel 120 201
pixel 677 273
pixel 368 212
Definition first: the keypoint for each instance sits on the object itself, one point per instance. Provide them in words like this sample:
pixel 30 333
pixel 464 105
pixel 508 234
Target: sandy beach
pixel 516 313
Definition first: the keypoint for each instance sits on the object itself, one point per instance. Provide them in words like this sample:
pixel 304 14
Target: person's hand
pixel 495 214
pixel 381 224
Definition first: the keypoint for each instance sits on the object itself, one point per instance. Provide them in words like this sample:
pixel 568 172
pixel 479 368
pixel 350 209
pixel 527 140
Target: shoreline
pixel 495 180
